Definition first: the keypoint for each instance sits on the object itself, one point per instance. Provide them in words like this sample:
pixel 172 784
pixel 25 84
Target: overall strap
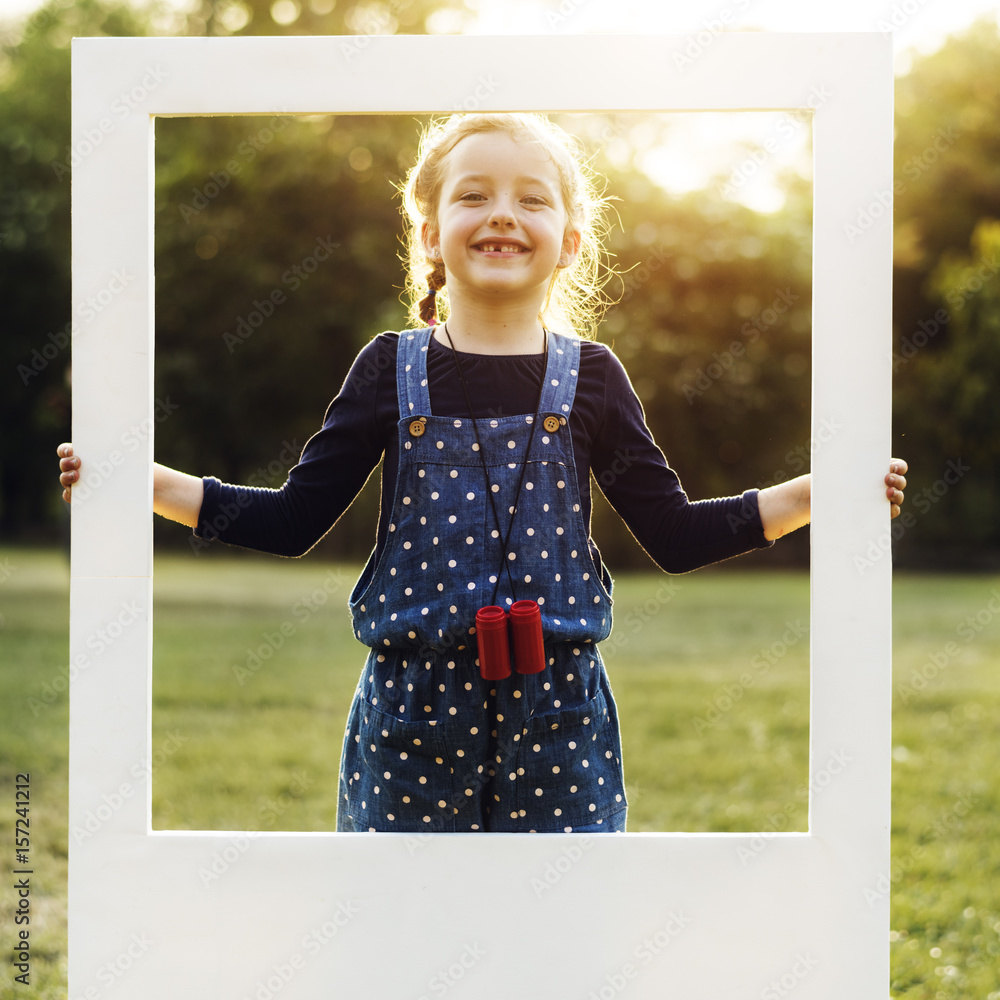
pixel 411 373
pixel 561 374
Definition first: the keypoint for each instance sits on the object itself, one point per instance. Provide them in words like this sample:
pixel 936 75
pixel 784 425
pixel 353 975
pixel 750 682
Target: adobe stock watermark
pixel 96 643
pixel 921 502
pixel 798 459
pixel 640 616
pixel 93 474
pixel 778 822
pixel 699 42
pixel 554 871
pixel 294 278
pixel 111 803
pixel 650 948
pixel 229 512
pixel 946 823
pixel 282 973
pixel 899 15
pixel 86 312
pixel 113 970
pixel 728 695
pixel 768 317
pixel 633 279
pixel 958 298
pixel 882 201
pixel 304 608
pixel 269 813
pixel 374 21
pixel 122 106
pixel 446 979
pixel 967 630
pixel 781 987
pixel 783 131
pixel 219 180
pixel 563 13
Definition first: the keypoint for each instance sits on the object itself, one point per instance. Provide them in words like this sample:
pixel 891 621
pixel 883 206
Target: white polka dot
pixel 470 496
pixel 511 444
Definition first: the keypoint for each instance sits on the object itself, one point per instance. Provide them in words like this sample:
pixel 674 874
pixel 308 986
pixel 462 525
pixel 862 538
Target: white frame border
pixel 393 913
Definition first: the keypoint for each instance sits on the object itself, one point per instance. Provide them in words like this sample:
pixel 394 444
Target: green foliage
pixel 715 299
pixel 947 183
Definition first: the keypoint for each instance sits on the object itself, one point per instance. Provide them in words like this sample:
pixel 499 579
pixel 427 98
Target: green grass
pixel 241 746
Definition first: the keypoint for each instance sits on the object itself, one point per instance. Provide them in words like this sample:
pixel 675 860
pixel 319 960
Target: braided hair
pixel 427 306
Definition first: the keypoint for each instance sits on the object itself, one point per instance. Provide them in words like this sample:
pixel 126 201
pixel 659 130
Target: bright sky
pixel 916 25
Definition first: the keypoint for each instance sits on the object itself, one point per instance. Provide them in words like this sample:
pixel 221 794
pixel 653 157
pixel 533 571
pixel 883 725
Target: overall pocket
pixel 401 776
pixel 571 761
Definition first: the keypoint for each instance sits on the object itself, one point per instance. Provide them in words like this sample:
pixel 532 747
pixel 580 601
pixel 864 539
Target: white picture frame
pixel 309 915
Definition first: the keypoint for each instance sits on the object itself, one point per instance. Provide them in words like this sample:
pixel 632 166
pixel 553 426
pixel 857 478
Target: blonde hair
pixel 575 301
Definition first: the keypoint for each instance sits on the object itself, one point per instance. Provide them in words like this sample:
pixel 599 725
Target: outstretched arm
pixel 176 495
pixel 785 507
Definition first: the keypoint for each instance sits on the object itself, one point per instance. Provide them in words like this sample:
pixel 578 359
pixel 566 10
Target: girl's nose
pixel 502 214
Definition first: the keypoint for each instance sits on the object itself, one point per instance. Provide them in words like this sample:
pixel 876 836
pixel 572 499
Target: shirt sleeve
pixel 678 534
pixel 335 464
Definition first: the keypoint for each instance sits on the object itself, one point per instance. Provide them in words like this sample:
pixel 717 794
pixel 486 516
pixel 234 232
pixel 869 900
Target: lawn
pixel 254 666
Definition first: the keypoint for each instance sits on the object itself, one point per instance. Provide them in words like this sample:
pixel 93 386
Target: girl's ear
pixel 570 248
pixel 431 241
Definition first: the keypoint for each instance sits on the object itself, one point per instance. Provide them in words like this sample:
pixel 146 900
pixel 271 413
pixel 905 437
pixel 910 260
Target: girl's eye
pixel 533 199
pixel 471 196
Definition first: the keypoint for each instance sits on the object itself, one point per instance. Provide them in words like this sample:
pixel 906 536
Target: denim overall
pixel 430 745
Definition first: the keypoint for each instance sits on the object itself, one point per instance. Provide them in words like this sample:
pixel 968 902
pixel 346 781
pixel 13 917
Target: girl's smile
pixel 501 226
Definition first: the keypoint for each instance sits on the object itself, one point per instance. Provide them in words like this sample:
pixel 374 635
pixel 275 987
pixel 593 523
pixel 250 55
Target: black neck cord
pixel 482 456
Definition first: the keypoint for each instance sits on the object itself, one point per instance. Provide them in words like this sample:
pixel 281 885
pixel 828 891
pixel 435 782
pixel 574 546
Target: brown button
pixel 417 427
pixel 551 424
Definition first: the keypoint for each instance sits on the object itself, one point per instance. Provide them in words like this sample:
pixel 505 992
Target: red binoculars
pixel 524 624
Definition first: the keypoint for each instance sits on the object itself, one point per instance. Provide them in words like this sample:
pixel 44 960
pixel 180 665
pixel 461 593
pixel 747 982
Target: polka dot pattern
pixel 429 743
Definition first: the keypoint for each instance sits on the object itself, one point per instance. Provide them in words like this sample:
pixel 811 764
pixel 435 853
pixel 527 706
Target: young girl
pixel 491 414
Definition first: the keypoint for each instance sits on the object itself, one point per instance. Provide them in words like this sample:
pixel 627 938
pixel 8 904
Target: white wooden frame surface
pixel 306 915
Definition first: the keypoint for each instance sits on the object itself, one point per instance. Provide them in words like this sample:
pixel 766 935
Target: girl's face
pixel 501 224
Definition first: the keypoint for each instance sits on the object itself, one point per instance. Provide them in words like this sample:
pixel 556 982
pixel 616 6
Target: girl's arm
pixel 176 495
pixel 785 507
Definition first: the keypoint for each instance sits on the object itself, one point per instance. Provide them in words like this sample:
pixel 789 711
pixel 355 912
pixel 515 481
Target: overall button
pixel 551 424
pixel 417 427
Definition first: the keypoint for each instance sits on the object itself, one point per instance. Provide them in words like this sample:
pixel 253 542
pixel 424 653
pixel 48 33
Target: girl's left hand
pixel 895 483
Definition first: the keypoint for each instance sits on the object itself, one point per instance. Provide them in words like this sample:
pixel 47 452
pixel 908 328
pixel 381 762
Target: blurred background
pixel 711 242
pixel 711 239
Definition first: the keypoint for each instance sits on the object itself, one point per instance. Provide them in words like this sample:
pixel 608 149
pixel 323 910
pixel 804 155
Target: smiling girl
pixel 484 704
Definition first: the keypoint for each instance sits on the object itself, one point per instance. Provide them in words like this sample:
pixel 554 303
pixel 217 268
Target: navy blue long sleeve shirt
pixel 610 440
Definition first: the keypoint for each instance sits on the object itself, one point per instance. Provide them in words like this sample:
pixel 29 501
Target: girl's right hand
pixel 69 469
